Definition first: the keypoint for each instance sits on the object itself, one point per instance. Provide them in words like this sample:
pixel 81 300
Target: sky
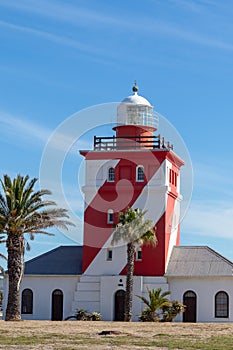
pixel 61 57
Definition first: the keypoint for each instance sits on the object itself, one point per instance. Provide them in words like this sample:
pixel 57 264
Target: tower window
pixel 221 305
pixel 111 174
pixel 139 254
pixel 140 173
pixel 173 177
pixel 110 216
pixel 109 254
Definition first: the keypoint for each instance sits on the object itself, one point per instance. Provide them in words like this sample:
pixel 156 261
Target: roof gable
pixel 198 262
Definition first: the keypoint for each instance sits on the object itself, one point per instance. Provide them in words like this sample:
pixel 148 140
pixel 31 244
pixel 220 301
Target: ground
pixel 72 335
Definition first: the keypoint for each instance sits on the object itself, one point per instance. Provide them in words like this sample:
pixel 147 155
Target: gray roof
pixel 64 260
pixel 198 262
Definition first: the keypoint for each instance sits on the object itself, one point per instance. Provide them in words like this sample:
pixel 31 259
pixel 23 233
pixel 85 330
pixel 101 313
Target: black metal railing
pixel 130 142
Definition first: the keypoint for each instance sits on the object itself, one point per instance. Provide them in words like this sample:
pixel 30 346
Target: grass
pixel 189 343
pixel 39 335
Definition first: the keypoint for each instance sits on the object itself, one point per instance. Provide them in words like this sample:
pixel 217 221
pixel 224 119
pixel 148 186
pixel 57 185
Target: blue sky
pixel 59 57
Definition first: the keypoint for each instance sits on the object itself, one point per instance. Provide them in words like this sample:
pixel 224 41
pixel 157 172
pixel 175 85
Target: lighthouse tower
pixel 134 168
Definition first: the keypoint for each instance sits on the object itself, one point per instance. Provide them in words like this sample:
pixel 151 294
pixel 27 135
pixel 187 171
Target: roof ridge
pixel 220 255
pixel 191 246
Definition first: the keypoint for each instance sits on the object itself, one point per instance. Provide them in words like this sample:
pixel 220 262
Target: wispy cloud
pixel 11 69
pixel 33 133
pixel 201 6
pixel 209 218
pixel 78 16
pixel 198 38
pixel 59 39
pixel 66 194
pixel 211 210
pixel 214 178
pixel 23 128
pixel 65 12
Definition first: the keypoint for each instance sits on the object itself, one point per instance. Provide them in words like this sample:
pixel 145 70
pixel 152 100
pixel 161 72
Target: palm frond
pixel 3 205
pixel 2 256
pixel 156 301
pixel 28 248
pixel 132 227
pixel 145 301
pixel 24 211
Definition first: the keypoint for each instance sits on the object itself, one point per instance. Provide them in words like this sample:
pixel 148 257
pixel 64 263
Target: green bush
pixel 170 312
pixel 83 315
pixel 148 316
pixel 95 316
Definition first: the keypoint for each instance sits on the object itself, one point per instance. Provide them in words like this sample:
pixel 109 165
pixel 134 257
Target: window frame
pixel 27 302
pixel 224 307
pixel 138 179
pixel 110 216
pixel 111 174
pixel 139 254
pixel 109 254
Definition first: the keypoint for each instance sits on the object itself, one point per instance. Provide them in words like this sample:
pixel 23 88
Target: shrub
pixel 95 316
pixel 83 315
pixel 148 316
pixel 170 312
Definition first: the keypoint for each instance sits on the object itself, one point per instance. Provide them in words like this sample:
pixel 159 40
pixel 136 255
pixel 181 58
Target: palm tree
pixel 133 229
pixel 24 211
pixel 157 301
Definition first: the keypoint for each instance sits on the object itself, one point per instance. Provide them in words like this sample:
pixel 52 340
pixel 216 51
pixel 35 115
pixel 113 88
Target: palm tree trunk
pixel 129 282
pixel 15 270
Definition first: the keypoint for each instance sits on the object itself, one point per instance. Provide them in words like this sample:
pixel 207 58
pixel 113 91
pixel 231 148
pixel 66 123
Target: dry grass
pixel 67 335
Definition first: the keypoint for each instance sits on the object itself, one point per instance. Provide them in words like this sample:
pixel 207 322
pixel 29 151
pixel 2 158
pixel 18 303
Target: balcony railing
pixel 130 142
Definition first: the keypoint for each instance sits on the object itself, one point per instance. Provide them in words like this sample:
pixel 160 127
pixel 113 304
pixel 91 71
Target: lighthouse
pixel 132 168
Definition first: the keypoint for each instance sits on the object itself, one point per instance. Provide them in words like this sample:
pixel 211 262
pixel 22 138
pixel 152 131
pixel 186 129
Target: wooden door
pixel 190 300
pixel 57 305
pixel 119 305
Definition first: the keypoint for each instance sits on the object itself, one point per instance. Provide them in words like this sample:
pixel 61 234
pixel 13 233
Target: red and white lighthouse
pixel 133 168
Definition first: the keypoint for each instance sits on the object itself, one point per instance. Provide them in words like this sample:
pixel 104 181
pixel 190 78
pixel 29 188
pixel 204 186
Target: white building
pixel 92 277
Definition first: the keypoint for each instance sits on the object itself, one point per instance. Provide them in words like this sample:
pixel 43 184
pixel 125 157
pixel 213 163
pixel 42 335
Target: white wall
pixel 109 286
pixel 205 289
pixel 87 294
pixel 42 287
pixel 103 289
pixel 97 293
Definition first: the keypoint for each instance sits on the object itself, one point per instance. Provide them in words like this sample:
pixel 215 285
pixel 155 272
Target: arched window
pixel 140 173
pixel 27 301
pixel 221 305
pixel 110 216
pixel 111 174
